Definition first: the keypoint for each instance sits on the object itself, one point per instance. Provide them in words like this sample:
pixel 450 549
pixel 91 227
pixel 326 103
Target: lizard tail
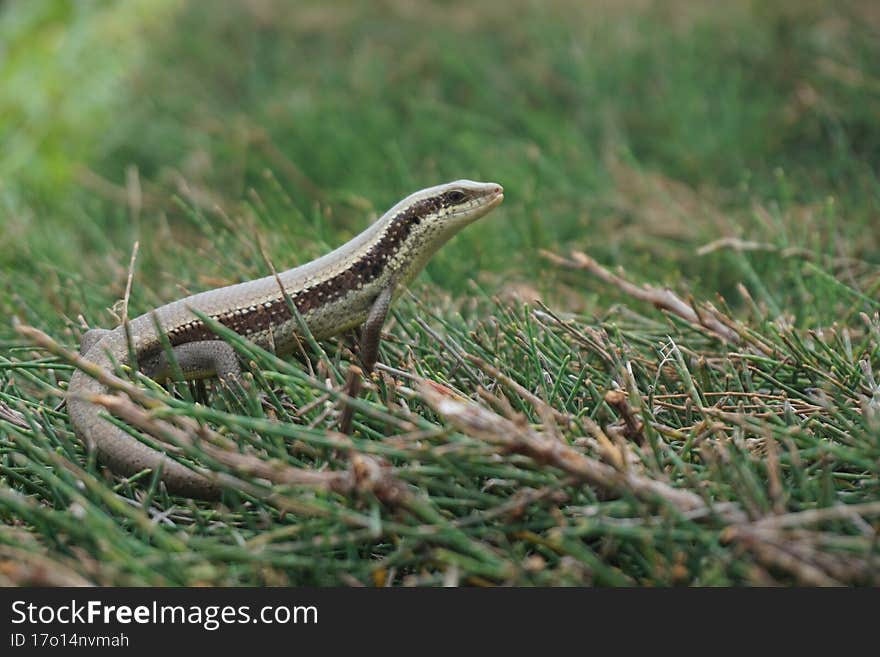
pixel 121 452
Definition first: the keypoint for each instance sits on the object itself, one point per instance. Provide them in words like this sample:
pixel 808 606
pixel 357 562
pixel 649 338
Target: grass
pixel 535 421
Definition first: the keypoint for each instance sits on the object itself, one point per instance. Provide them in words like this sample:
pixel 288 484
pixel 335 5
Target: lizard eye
pixel 455 196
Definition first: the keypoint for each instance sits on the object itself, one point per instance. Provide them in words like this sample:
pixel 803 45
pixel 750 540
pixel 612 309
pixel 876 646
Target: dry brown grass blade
pixel 482 423
pixel 509 383
pixel 365 474
pixel 112 381
pixel 25 567
pixel 779 541
pixel 813 516
pixel 12 416
pixel 662 298
pixel 805 554
pixel 633 426
pixel 772 552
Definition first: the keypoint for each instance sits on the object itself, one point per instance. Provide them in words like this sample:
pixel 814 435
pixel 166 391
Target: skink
pixel 351 286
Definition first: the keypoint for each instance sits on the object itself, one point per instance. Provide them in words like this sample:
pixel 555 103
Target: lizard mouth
pixel 494 199
pixel 483 206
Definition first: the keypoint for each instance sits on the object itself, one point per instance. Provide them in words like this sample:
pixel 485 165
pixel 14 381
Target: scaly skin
pixel 333 293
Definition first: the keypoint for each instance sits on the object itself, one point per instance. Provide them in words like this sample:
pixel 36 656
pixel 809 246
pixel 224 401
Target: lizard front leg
pixel 371 335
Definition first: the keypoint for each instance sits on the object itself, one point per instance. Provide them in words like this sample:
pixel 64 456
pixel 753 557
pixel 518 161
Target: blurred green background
pixel 724 148
pixel 637 131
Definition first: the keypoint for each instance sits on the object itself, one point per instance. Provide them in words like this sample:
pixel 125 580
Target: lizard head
pixel 424 221
pixel 437 213
pixel 459 203
pixel 399 244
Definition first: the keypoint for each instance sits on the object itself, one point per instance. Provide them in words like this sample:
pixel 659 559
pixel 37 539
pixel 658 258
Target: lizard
pixel 353 285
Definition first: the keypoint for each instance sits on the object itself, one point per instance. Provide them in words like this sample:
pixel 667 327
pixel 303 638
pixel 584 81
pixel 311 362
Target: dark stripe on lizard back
pixel 258 318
